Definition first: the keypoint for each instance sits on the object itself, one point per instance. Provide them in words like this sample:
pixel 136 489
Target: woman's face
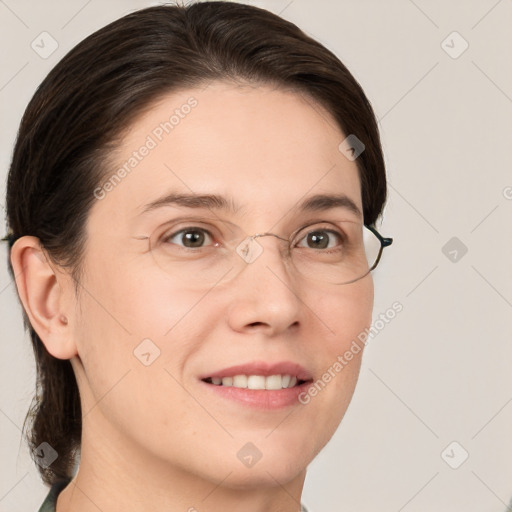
pixel 147 337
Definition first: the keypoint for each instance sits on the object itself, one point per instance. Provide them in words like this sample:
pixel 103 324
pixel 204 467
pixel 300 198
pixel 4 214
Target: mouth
pixel 259 384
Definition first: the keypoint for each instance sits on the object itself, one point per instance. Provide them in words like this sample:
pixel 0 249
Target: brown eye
pixel 322 239
pixel 189 237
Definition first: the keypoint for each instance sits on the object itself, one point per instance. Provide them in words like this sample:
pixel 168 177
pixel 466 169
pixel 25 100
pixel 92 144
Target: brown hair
pixel 78 114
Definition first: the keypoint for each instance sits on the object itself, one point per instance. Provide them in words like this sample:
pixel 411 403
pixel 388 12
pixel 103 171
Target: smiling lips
pixel 259 384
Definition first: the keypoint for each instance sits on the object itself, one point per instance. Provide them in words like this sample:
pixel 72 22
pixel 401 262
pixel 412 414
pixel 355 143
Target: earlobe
pixel 42 291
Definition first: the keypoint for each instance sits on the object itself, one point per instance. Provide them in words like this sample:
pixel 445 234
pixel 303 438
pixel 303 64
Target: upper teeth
pixel 257 381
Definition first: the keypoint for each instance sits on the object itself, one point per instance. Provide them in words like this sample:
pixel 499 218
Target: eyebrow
pixel 319 202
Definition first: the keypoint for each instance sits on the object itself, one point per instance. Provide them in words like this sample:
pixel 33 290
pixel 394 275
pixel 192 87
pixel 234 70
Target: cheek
pixel 144 303
pixel 132 345
pixel 146 327
pixel 345 313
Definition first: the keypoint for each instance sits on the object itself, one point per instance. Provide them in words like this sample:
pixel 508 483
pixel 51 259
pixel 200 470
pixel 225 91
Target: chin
pixel 255 461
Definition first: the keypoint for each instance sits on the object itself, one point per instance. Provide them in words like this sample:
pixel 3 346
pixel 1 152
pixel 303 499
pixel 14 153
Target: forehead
pixel 267 148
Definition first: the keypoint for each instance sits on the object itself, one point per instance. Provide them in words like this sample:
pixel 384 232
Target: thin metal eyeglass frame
pixel 384 242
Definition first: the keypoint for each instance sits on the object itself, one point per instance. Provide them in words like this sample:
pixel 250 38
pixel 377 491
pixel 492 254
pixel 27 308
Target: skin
pixel 152 432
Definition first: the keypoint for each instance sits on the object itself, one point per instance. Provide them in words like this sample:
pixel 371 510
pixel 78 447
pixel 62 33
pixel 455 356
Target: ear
pixel 46 296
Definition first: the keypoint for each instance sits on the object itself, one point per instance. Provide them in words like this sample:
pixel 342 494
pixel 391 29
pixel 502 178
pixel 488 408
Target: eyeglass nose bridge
pixel 249 251
pixel 268 234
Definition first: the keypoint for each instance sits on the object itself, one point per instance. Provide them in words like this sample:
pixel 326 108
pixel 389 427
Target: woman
pixel 192 204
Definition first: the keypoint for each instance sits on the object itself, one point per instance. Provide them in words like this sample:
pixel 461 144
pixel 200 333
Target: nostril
pixel 256 324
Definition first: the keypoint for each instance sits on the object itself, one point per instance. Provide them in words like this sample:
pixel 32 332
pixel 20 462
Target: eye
pixel 322 239
pixel 190 237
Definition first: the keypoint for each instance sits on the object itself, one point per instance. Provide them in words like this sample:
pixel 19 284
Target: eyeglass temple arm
pixel 385 241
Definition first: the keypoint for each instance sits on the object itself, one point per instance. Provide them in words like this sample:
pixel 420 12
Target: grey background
pixel 440 371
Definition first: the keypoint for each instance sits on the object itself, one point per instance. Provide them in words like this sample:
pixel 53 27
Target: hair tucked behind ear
pixel 76 118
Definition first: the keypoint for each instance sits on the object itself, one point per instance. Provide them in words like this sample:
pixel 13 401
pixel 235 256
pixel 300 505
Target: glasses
pixel 202 254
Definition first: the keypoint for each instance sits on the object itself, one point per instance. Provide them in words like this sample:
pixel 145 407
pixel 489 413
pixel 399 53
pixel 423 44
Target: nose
pixel 265 292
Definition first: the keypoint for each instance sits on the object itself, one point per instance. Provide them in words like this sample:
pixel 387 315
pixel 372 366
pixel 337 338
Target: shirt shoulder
pixel 50 501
